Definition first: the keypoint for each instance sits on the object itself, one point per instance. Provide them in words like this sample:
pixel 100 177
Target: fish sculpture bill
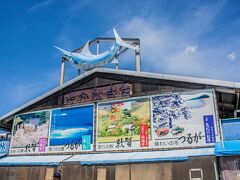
pixel 85 60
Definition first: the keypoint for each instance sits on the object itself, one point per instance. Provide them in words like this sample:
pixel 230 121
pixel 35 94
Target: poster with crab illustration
pixel 124 125
pixel 184 120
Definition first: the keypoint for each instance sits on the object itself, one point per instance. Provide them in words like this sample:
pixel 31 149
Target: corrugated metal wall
pixel 198 167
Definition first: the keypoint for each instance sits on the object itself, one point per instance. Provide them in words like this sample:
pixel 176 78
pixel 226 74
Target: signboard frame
pixel 119 101
pixel 93 128
pixel 48 135
pixel 215 120
pixel 10 147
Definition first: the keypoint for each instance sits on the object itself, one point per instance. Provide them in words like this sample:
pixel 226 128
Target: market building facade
pixel 108 124
pixel 118 124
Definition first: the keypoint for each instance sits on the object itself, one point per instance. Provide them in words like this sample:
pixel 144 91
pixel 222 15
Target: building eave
pixel 211 82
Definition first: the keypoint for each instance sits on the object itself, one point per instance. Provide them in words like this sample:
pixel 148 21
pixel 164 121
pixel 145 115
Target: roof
pixel 226 84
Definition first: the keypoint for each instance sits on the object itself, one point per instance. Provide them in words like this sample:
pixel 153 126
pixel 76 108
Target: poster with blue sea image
pixel 70 127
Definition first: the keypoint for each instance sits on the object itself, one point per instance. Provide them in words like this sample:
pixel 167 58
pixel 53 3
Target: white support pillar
pixel 62 73
pixel 138 58
pixel 98 47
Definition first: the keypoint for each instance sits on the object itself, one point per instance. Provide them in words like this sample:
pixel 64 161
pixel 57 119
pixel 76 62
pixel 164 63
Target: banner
pixel 28 130
pixel 184 120
pixel 71 129
pixel 123 125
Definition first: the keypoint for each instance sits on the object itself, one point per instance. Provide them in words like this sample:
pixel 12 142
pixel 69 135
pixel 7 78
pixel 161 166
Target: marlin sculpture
pixel 85 60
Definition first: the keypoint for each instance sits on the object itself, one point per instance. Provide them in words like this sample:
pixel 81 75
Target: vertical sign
pixel 144 140
pixel 4 146
pixel 209 129
pixel 42 144
pixel 86 142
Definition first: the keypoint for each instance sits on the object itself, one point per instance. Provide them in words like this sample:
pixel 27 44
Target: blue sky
pixel 73 117
pixel 183 37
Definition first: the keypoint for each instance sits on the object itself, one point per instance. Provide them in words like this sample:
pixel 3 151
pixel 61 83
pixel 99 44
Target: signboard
pixel 98 93
pixel 230 129
pixel 123 125
pixel 71 129
pixel 160 121
pixel 4 146
pixel 184 120
pixel 27 131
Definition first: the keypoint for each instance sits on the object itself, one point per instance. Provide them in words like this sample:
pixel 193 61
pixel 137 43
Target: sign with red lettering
pixel 144 140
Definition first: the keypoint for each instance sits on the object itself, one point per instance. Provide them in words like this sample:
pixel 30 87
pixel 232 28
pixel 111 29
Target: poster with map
pixel 124 125
pixel 30 133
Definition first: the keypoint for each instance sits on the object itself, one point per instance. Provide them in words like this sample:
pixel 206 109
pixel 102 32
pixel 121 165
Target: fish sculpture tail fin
pixel 67 53
pixel 120 42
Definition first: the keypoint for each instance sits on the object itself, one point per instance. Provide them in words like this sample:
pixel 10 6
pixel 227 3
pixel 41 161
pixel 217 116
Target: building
pixel 104 100
pixel 228 150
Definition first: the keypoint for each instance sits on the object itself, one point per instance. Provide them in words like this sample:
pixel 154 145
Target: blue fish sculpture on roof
pixel 85 60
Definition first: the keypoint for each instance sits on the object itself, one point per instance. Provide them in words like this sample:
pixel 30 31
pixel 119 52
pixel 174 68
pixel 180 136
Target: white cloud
pixel 232 56
pixel 191 49
pixel 21 92
pixel 165 47
pixel 161 45
pixel 39 5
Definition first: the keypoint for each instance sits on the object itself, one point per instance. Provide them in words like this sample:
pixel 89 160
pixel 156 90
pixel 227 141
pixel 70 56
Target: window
pixel 196 174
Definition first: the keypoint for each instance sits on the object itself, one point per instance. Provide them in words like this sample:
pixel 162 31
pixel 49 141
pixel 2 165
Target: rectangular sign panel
pixel 230 129
pixel 123 125
pixel 98 93
pixel 71 129
pixel 4 146
pixel 183 120
pixel 28 130
pixel 209 129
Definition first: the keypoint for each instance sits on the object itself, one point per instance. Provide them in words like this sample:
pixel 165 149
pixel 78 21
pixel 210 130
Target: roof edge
pixel 227 84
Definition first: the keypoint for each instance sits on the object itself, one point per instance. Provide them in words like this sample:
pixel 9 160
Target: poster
pixel 123 125
pixel 28 130
pixel 184 120
pixel 71 129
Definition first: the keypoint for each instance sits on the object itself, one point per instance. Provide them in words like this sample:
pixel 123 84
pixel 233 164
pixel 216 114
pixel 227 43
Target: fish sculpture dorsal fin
pixel 85 51
pixel 120 42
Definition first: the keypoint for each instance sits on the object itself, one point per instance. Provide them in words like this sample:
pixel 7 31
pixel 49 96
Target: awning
pixel 33 160
pixel 227 148
pixel 136 157
pixel 106 158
